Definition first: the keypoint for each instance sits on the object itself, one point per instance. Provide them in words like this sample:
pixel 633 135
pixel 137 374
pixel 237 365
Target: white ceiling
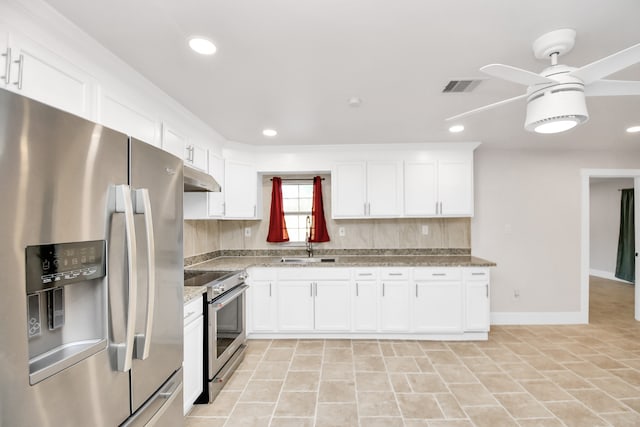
pixel 293 65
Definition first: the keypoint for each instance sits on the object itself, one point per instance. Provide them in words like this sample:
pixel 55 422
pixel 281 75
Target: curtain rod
pixel 296 179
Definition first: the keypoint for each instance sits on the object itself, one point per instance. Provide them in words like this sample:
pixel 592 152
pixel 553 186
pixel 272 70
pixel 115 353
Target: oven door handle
pixel 220 303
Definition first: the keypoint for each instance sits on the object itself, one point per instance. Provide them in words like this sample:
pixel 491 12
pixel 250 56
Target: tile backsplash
pixel 204 236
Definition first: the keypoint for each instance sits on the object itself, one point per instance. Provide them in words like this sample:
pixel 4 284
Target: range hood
pixel 198 181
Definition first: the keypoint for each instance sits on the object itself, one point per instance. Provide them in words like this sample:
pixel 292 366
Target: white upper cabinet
pixel 196 156
pixel 173 141
pixel 440 186
pixel 215 202
pixel 366 189
pixel 241 191
pixel 34 71
pixel 420 188
pixel 124 116
pixel 348 190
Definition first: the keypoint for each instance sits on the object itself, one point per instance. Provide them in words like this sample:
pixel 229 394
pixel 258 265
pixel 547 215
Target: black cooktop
pixel 202 278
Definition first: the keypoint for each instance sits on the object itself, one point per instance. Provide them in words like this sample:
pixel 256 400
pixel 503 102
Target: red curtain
pixel 318 224
pixel 277 225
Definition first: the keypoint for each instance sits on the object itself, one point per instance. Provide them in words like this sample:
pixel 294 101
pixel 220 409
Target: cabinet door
pixel 173 141
pixel 384 189
pixel 332 306
pixel 295 303
pixel 42 75
pixel 241 193
pixel 477 305
pixel 216 200
pixel 420 190
pixel 438 306
pixel 455 186
pixel 192 369
pixel 365 307
pixel 348 190
pixel 126 117
pixel 262 306
pixel 196 156
pixel 394 306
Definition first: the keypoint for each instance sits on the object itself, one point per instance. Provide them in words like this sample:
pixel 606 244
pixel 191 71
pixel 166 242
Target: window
pixel 297 199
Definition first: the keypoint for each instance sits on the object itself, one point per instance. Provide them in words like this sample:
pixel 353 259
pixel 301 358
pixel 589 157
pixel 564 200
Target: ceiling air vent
pixel 459 86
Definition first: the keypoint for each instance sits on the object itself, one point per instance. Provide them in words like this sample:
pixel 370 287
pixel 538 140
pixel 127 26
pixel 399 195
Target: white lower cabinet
pixel 262 300
pixel 295 306
pixel 438 301
pixel 443 302
pixel 332 306
pixel 476 300
pixel 365 305
pixel 394 301
pixel 193 364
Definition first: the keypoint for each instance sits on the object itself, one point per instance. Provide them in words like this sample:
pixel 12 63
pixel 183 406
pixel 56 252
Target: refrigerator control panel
pixel 58 264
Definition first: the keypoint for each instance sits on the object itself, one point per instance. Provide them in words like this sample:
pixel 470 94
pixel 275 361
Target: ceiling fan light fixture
pixel 556 110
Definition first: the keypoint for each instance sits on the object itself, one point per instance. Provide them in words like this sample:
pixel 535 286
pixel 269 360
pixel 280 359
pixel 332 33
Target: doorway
pixel 588 175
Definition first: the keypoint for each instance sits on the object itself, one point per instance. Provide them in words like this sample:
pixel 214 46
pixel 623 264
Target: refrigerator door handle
pixel 124 205
pixel 143 341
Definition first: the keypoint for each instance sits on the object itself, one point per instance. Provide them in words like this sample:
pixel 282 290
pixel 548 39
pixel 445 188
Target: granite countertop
pixel 193 292
pixel 241 262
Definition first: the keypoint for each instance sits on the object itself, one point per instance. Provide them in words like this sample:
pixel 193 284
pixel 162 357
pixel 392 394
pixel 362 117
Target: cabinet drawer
pixel 476 274
pixel 192 310
pixel 437 273
pixel 365 273
pixel 394 274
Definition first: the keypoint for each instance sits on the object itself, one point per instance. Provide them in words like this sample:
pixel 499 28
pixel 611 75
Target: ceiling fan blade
pixel 486 107
pixel 612 88
pixel 516 75
pixel 608 65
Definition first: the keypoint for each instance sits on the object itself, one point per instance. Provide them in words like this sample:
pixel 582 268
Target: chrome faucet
pixel 308 239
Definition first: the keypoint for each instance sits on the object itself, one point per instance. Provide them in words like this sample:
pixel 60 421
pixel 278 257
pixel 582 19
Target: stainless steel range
pixel 225 316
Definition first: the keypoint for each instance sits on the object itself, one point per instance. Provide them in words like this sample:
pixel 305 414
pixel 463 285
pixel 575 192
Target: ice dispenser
pixel 66 305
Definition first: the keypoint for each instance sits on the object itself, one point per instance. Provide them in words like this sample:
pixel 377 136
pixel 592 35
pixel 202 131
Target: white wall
pixel 604 224
pixel 527 220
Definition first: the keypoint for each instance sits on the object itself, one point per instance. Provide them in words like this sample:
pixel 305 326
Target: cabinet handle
pixel 438 274
pixel 315 285
pixel 7 66
pixel 311 289
pixel 224 208
pixel 436 208
pixel 369 208
pixel 365 274
pixel 440 208
pixel 365 208
pixel 487 287
pixel 357 290
pixel 395 274
pixel 416 290
pixel 477 274
pixel 20 63
pixel 269 289
pixel 382 288
pixel 255 208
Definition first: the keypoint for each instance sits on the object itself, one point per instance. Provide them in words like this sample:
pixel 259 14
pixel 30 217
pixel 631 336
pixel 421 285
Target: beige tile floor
pixel 580 375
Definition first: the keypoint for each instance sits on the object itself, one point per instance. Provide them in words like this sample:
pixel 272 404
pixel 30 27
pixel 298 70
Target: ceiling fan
pixel 556 96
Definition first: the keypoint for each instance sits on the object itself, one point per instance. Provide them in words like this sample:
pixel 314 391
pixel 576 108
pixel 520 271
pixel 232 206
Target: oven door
pixel 227 327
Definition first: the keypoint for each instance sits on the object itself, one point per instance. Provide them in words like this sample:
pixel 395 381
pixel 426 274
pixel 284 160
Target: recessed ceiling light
pixel 456 128
pixel 269 132
pixel 633 129
pixel 202 46
pixel 354 101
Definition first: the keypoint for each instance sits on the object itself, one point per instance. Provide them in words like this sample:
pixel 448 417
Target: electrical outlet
pixel 425 230
pixel 342 232
pixel 247 232
pixel 516 293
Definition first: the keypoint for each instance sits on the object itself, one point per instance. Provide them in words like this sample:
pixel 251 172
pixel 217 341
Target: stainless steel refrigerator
pixel 90 273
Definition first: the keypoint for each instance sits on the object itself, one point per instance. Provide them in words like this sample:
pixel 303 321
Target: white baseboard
pixel 606 275
pixel 537 318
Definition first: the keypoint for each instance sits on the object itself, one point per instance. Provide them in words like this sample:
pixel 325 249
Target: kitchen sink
pixel 303 260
